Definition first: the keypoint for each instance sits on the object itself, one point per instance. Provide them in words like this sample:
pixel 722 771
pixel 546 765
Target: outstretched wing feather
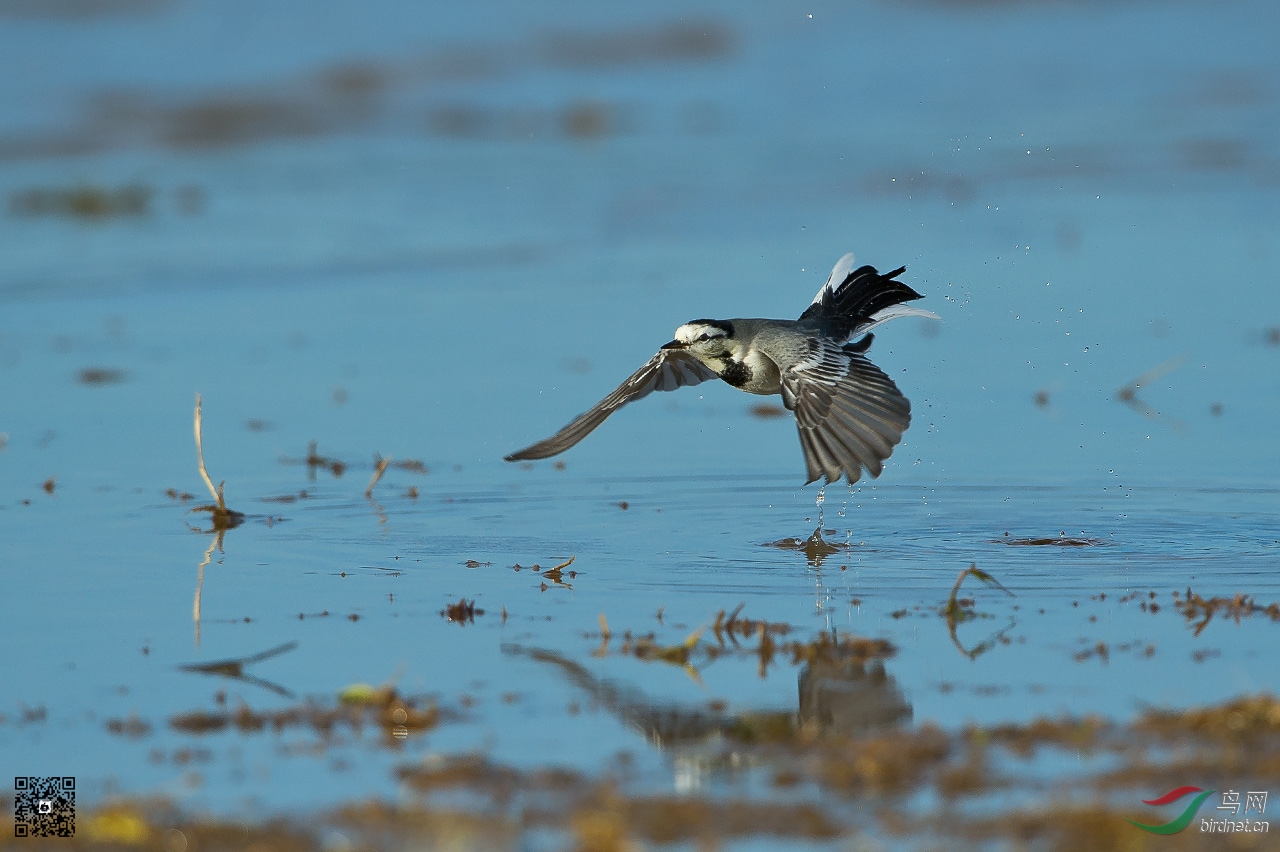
pixel 666 371
pixel 849 414
pixel 813 459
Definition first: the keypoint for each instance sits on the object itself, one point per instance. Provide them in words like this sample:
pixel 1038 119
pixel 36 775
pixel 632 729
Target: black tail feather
pixel 859 297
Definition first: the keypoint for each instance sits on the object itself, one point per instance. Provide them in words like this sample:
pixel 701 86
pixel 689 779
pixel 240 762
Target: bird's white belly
pixel 765 378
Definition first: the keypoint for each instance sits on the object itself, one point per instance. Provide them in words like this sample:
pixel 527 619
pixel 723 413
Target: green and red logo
pixel 1184 819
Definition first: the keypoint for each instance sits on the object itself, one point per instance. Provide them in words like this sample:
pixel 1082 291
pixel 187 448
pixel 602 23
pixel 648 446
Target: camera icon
pixel 44 806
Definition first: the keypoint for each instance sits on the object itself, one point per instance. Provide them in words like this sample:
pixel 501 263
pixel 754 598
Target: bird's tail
pixel 849 301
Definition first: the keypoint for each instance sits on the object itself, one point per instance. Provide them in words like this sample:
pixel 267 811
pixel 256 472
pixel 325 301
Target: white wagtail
pixel 849 413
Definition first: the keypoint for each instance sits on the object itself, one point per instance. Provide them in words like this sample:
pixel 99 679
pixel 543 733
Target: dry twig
pixel 380 467
pixel 955 611
pixel 223 518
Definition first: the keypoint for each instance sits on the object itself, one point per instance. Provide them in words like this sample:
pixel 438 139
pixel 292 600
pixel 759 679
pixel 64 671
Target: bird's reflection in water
pixel 850 696
pixel 816 549
pixel 838 695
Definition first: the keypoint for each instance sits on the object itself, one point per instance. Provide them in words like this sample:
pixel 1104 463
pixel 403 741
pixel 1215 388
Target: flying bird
pixel 849 413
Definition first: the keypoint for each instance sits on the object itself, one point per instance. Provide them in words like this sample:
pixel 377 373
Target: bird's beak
pixel 675 344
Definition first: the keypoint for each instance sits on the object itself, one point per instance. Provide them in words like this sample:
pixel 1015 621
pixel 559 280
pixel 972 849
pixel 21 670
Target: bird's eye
pixel 702 337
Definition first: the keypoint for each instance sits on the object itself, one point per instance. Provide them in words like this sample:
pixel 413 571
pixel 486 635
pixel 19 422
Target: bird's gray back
pixel 784 341
pixel 768 347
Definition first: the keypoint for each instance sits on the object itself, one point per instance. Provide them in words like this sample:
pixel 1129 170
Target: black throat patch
pixel 734 372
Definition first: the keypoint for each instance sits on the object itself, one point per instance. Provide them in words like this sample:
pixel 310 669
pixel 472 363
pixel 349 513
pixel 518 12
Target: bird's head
pixel 704 338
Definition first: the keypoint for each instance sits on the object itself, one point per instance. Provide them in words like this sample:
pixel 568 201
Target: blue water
pixel 451 261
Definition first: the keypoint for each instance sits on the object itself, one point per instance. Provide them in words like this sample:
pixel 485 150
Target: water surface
pixel 437 238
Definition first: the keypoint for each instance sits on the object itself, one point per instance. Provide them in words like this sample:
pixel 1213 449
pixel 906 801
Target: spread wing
pixel 666 371
pixel 849 413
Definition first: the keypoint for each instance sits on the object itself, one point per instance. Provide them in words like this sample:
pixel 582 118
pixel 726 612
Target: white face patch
pixel 692 332
pixel 688 332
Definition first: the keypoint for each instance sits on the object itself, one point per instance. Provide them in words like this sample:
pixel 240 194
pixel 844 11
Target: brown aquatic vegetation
pixel 83 202
pixel 286 498
pixel 1102 651
pixel 555 574
pixel 608 820
pixel 395 715
pixel 647 648
pixel 477 772
pixel 101 376
pixel 845 646
pixel 744 627
pixel 1248 720
pixel 872 781
pixel 888 766
pixel 891 763
pixel 1200 611
pixel 314 460
pixel 728 631
pixel 374 824
pixel 842 684
pixel 577 120
pixel 353 94
pixel 133 727
pixel 681 41
pixel 600 816
pixel 767 411
pixel 462 612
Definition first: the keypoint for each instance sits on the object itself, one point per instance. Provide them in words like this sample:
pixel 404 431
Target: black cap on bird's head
pixel 698 331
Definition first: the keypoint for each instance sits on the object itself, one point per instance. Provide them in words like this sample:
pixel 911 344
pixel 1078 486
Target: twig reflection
pixel 1128 394
pixel 234 668
pixel 379 468
pixel 959 610
pixel 208 556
